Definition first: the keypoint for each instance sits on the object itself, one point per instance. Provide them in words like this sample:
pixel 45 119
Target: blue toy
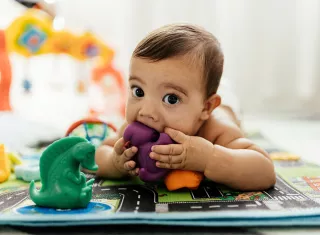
pixel 29 169
pixel 28 172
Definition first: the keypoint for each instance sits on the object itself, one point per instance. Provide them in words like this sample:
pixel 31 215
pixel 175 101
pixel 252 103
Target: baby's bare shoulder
pixel 220 131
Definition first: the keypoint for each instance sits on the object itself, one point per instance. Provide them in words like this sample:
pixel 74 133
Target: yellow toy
pixel 88 46
pixel 5 165
pixel 284 156
pixel 14 159
pixel 61 42
pixel 28 34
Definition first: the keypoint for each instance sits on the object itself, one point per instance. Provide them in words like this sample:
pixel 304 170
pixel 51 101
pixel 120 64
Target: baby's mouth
pixel 150 126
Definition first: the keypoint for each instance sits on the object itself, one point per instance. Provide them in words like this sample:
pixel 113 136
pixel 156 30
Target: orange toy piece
pixel 100 77
pixel 178 179
pixel 5 166
pixel 5 74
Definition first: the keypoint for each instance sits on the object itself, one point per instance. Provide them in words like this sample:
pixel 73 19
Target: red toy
pixel 5 74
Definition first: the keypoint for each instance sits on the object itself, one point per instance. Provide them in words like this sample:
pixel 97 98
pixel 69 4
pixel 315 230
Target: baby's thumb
pixel 119 146
pixel 177 136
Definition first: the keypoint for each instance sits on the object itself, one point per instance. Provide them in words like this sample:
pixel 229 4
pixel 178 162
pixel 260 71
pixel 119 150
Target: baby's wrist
pixel 207 155
pixel 218 165
pixel 117 164
pixel 209 159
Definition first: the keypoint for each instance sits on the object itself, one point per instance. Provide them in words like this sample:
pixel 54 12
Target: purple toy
pixel 144 137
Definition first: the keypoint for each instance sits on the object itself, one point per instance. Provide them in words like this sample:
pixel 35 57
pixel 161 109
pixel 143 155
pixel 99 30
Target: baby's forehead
pixel 177 67
pixel 191 67
pixel 179 71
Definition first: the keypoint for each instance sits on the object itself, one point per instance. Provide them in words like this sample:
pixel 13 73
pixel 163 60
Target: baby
pixel 173 81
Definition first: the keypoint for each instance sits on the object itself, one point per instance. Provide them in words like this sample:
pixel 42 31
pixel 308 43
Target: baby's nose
pixel 149 110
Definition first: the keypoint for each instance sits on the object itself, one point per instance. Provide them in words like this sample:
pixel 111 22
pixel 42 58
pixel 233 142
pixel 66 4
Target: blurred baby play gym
pixel 66 60
pixel 53 76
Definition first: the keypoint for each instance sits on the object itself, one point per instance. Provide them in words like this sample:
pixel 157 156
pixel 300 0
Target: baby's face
pixel 167 93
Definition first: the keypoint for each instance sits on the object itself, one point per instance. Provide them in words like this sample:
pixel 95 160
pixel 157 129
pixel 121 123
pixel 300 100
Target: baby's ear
pixel 209 105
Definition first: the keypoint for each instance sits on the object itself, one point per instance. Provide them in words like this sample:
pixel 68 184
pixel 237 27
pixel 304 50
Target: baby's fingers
pixel 129 165
pixel 134 172
pixel 129 153
pixel 172 149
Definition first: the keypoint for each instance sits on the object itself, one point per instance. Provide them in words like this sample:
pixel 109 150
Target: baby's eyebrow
pixel 176 87
pixel 132 77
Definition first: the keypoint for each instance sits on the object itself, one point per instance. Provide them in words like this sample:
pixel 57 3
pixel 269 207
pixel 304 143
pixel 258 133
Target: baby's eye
pixel 137 92
pixel 171 99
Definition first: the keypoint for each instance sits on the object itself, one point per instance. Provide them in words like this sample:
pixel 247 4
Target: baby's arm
pixel 112 159
pixel 237 161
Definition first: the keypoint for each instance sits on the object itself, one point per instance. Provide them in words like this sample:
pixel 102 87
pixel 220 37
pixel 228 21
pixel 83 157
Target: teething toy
pixel 144 137
pixel 178 179
pixel 64 186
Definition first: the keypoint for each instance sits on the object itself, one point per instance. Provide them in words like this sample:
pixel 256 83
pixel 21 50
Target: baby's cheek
pixel 130 113
pixel 180 124
pixel 187 125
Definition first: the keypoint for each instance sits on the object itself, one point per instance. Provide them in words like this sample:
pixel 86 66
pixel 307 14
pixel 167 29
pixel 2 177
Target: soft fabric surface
pixel 294 200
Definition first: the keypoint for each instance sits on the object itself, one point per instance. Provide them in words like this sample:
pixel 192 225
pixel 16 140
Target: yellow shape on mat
pixel 15 160
pixel 284 156
pixel 5 165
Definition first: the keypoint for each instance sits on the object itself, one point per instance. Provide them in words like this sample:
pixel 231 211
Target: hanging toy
pixel 5 74
pixel 108 90
pixel 27 35
pixel 85 48
pixel 27 85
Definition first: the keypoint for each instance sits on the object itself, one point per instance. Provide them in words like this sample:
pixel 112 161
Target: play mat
pixel 295 200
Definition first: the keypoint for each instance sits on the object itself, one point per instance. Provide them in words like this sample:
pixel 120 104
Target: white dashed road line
pixel 19 193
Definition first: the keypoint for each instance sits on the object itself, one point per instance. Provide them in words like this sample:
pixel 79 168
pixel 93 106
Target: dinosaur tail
pixel 35 194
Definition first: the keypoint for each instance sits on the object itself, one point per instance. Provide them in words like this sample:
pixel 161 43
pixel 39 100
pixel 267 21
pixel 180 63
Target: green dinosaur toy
pixel 63 185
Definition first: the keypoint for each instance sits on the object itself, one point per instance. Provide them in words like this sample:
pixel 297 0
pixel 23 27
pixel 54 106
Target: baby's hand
pixel 190 152
pixel 122 158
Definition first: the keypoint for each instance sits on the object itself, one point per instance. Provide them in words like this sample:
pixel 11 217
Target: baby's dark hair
pixel 185 39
